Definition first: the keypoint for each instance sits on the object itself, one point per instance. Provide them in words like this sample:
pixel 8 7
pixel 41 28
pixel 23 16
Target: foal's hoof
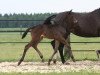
pixel 54 61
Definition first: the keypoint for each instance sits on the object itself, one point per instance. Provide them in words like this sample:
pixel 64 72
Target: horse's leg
pixel 38 51
pixel 60 48
pixel 55 51
pixel 97 54
pixel 63 41
pixel 24 53
pixel 68 52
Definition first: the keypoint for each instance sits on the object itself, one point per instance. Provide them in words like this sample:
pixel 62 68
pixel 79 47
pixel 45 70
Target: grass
pixel 66 73
pixel 12 52
pixel 11 29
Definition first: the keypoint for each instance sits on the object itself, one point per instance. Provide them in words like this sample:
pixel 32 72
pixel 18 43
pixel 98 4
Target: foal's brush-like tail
pixel 25 33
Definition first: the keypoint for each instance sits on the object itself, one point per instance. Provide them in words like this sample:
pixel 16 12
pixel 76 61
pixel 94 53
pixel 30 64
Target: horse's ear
pixel 70 11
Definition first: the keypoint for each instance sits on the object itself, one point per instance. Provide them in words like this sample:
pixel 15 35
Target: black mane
pixel 97 11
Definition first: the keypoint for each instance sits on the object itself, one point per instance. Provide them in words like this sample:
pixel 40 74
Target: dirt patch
pixel 44 68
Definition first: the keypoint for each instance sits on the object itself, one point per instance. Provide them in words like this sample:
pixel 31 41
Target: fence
pixel 20 31
pixel 18 23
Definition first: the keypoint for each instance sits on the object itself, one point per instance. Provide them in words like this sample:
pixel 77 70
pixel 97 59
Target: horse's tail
pixel 47 21
pixel 25 33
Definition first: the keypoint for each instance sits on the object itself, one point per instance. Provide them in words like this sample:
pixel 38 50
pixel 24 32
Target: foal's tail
pixel 25 33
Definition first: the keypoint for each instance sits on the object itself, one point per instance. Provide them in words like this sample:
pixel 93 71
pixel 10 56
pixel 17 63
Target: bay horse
pixel 88 24
pixel 98 53
pixel 56 32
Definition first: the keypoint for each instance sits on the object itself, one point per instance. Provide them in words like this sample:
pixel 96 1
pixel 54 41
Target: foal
pixel 55 32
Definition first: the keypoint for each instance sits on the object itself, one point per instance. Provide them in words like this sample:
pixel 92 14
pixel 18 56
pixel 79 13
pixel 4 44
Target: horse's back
pixel 89 23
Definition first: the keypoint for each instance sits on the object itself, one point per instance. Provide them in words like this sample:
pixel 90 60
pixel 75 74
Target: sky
pixel 45 6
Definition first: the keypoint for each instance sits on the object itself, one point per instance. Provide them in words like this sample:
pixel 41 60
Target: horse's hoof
pixel 74 61
pixel 63 62
pixel 66 63
pixel 48 63
pixel 43 60
pixel 54 61
pixel 18 63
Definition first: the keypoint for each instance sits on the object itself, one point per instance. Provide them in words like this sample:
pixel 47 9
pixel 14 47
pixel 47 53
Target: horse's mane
pixel 48 20
pixel 96 11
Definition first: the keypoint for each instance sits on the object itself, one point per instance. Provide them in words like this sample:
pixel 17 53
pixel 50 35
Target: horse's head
pixel 70 21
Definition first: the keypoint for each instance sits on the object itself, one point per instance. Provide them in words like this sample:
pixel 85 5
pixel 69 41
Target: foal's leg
pixel 55 51
pixel 38 51
pixel 56 55
pixel 60 48
pixel 60 39
pixel 67 49
pixel 24 53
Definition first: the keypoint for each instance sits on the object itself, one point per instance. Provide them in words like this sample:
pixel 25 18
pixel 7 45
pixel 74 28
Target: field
pixel 11 52
pixel 68 73
pixel 14 50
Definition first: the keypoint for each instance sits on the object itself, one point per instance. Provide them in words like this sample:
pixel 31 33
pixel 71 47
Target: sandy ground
pixel 90 66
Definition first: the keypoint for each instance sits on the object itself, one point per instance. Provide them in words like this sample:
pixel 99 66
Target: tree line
pixel 36 18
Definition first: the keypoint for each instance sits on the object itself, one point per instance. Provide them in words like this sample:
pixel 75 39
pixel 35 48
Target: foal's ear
pixel 70 12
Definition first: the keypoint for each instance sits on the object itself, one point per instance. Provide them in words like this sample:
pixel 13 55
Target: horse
pixel 98 53
pixel 88 24
pixel 56 32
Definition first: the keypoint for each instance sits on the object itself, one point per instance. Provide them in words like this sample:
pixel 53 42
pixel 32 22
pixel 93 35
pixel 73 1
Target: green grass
pixel 11 29
pixel 66 73
pixel 13 52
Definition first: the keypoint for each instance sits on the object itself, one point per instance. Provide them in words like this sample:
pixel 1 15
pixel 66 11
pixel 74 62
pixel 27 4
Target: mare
pixel 88 24
pixel 56 32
